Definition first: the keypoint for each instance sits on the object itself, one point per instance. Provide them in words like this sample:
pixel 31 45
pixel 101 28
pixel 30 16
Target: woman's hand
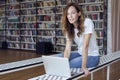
pixel 86 72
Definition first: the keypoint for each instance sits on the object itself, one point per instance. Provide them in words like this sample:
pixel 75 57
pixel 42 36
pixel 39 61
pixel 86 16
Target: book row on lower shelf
pixel 21 46
pixel 60 41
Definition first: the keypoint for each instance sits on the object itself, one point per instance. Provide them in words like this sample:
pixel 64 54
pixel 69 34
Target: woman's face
pixel 72 15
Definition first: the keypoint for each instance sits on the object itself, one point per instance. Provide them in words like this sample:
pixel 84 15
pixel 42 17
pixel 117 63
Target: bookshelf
pixel 2 22
pixel 31 21
pixel 45 21
pixel 27 24
pixel 12 24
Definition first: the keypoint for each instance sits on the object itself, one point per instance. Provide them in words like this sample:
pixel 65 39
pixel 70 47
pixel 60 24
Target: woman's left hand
pixel 86 72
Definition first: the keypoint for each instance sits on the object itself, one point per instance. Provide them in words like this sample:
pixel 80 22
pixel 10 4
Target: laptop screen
pixel 58 66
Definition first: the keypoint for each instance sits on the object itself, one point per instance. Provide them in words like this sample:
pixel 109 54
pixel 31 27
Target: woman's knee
pixel 93 61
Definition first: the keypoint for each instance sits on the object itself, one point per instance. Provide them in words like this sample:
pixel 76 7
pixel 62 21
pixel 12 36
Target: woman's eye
pixel 73 12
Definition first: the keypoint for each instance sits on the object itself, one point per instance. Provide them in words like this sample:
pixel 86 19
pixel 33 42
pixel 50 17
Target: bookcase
pixel 23 23
pixel 27 24
pixel 12 10
pixel 45 21
pixel 2 22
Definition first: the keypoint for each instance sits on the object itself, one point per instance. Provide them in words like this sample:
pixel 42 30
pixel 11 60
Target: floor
pixel 7 56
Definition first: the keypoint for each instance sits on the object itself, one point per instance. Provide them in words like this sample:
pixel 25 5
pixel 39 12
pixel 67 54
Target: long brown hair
pixel 68 27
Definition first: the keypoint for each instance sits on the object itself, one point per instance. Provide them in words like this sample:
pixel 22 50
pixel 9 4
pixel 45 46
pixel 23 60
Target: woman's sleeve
pixel 89 26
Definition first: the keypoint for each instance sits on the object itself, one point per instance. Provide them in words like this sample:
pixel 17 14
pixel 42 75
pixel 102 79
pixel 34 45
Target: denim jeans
pixel 75 60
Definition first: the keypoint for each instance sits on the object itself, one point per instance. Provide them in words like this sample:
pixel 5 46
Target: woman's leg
pixel 75 59
pixel 93 61
pixel 76 62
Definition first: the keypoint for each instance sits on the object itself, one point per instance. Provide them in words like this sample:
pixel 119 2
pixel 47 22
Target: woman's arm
pixel 85 53
pixel 67 48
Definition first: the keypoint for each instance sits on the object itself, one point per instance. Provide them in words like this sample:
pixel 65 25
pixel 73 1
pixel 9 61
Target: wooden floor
pixel 7 56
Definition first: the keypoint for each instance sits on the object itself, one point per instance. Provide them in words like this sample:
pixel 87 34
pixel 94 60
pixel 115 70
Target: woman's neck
pixel 75 25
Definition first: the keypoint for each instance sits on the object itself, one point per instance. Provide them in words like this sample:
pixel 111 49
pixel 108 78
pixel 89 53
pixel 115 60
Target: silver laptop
pixel 58 66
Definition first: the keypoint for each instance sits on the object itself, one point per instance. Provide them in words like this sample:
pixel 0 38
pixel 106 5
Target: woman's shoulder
pixel 87 20
pixel 88 23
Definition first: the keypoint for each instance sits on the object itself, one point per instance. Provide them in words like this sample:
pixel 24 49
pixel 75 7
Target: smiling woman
pixel 81 30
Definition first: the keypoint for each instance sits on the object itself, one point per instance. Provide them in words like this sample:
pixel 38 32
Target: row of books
pixel 62 2
pixel 29 26
pixel 13 38
pixel 27 18
pixel 2 25
pixel 28 39
pixel 100 42
pixel 14 45
pixel 12 1
pixel 28 12
pixel 101 52
pixel 12 32
pixel 19 39
pixel 87 1
pixel 28 32
pixel 21 46
pixel 59 33
pixel 45 18
pixel 60 41
pixel 98 24
pixel 12 7
pixel 40 39
pixel 45 3
pixel 2 7
pixel 2 33
pixel 13 26
pixel 60 48
pixel 98 7
pixel 27 46
pixel 45 11
pixel 46 32
pixel 41 3
pixel 94 16
pixel 45 25
pixel 99 33
pixel 28 5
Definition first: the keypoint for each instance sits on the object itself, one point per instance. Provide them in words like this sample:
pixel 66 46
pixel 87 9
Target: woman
pixel 80 29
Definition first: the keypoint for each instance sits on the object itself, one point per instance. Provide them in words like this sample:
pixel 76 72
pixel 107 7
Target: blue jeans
pixel 75 60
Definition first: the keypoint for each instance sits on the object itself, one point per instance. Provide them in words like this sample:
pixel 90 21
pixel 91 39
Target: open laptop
pixel 58 66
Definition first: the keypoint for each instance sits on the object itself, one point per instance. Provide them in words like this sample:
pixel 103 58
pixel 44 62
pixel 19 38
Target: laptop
pixel 57 66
